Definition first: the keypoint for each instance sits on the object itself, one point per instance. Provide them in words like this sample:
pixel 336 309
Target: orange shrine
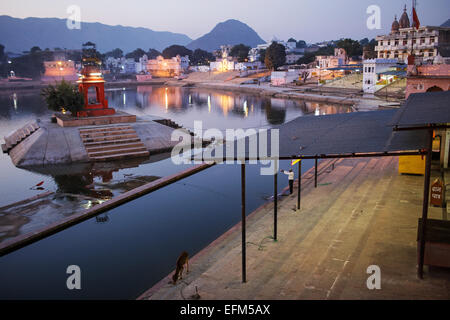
pixel 92 85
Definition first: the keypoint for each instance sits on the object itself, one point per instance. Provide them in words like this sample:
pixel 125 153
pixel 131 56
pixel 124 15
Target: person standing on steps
pixel 290 175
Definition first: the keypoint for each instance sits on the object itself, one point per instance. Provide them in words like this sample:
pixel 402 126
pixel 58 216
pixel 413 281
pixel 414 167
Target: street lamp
pixel 318 84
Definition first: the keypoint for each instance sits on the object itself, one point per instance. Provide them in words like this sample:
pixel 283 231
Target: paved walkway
pixel 362 213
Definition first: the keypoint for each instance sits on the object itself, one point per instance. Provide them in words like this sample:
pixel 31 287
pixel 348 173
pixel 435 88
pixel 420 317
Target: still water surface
pixel 137 244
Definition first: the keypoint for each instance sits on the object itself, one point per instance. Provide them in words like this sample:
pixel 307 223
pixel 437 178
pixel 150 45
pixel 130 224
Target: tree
pixel 30 65
pixel 63 95
pixel 175 50
pixel 311 56
pixel 153 53
pixel 240 51
pixel 35 49
pixel 364 42
pixel 301 44
pixel 352 47
pixel 262 55
pixel 275 56
pixel 292 40
pixel 369 50
pixel 116 53
pixel 74 55
pixel 201 57
pixel 136 54
pixel 3 61
pixel 308 57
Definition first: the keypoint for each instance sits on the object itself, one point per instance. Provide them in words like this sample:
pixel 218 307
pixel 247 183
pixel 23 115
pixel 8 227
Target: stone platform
pixel 362 213
pixel 53 144
pixel 65 120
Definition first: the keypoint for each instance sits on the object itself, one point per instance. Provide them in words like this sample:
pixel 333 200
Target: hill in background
pixel 19 35
pixel 230 32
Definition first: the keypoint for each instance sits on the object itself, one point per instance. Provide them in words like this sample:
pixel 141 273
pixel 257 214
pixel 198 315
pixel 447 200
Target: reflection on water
pixel 173 217
pixel 216 109
pixel 100 182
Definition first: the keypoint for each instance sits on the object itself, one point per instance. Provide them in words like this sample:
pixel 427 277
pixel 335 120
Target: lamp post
pixel 318 84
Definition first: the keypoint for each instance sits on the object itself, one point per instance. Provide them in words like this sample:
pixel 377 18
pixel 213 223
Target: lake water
pixel 135 245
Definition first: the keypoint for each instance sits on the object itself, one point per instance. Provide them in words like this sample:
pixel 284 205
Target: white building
pixel 279 78
pixel 244 66
pixel 339 58
pixel 141 66
pixel 371 70
pixel 291 49
pixel 200 68
pixel 223 63
pixel 425 41
pixel 184 62
pixel 129 66
pixel 122 64
pixel 254 55
pixel 292 58
pixel 172 67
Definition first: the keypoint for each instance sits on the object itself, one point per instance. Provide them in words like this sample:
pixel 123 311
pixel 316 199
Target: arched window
pixel 434 89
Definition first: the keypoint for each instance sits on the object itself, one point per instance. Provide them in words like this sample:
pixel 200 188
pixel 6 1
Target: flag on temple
pixel 416 22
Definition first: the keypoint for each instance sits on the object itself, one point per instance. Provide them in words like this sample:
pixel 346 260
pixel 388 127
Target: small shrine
pixel 92 84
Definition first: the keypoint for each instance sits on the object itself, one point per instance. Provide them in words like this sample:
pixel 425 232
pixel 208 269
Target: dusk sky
pixel 310 20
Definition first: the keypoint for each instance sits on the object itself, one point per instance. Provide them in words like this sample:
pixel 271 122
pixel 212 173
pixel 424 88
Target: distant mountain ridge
pixel 230 32
pixel 19 35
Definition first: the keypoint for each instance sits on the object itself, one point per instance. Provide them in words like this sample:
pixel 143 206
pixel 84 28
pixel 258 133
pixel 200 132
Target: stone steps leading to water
pixel 107 143
pixel 15 137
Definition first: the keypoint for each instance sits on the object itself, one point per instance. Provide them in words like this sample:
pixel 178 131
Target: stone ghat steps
pixel 106 143
pixel 110 142
pixel 113 149
pixel 106 133
pixel 113 137
pixel 15 137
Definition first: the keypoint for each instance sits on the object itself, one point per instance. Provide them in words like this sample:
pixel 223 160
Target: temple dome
pixel 404 20
pixel 395 26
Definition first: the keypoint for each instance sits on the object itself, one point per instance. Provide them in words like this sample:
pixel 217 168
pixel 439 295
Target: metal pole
pixel 426 193
pixel 244 276
pixel 275 202
pixel 299 184
pixel 315 173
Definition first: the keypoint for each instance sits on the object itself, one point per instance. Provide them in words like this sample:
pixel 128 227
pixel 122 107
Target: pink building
pixel 58 70
pixel 426 78
pixel 429 78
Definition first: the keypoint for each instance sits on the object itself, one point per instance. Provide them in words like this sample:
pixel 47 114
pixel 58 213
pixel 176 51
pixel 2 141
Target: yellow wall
pixel 411 164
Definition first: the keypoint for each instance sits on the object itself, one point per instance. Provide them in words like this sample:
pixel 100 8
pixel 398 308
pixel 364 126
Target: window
pixel 93 95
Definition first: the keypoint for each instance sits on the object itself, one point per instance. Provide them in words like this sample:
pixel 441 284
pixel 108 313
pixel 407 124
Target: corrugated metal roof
pixel 344 68
pixel 423 109
pixel 337 134
pixel 400 73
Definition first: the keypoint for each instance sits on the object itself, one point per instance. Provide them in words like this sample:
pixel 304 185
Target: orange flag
pixel 416 22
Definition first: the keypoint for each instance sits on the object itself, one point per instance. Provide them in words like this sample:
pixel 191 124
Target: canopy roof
pixel 421 109
pixel 337 135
